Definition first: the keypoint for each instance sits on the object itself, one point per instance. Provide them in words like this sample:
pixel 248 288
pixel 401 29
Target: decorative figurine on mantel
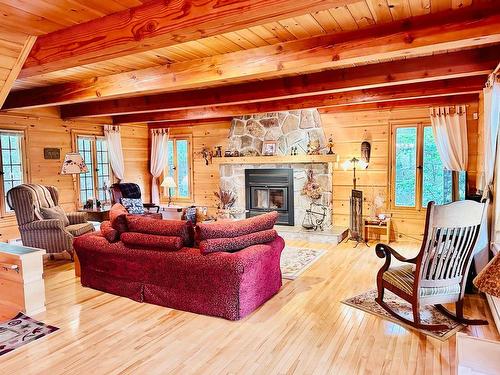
pixel 330 146
pixel 313 147
pixel 218 151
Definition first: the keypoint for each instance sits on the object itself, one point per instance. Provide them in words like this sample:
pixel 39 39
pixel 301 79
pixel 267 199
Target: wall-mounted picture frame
pixel 51 153
pixel 269 148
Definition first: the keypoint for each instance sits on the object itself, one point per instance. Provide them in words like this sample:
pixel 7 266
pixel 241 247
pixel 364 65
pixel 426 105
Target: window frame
pixel 4 210
pixel 420 124
pixel 189 139
pixel 93 151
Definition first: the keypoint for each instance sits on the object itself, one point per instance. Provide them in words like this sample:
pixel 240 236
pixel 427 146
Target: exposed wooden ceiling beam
pixel 421 35
pixel 466 85
pixel 183 123
pixel 457 64
pixel 156 24
pixel 13 71
pixel 404 103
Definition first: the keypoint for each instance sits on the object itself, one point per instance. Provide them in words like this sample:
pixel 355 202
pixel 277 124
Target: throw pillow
pixel 140 240
pixel 109 233
pixel 117 217
pixel 229 229
pixel 237 243
pixel 55 212
pixel 178 228
pixel 133 205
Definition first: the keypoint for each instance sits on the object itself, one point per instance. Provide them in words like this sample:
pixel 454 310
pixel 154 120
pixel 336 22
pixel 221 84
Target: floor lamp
pixel 74 164
pixel 356 202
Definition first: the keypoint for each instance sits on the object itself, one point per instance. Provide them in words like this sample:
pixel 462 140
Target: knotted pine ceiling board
pixel 354 16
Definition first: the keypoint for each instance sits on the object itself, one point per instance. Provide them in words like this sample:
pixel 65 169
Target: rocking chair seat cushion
pixel 403 277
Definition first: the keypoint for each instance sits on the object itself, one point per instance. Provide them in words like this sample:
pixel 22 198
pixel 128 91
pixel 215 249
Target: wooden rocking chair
pixel 438 273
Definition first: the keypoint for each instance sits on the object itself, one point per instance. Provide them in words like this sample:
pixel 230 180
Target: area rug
pixel 21 330
pixel 295 260
pixel 428 314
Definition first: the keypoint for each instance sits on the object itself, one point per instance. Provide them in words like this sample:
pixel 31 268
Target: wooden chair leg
pixel 459 315
pixel 416 313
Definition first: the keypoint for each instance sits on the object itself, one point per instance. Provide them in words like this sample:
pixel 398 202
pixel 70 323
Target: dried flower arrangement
pixel 311 188
pixel 226 199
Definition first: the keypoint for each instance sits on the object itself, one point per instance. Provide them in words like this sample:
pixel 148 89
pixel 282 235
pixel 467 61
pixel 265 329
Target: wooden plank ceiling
pixel 355 16
pixel 341 52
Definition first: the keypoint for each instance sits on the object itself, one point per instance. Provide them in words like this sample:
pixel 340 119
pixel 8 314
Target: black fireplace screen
pixel 270 190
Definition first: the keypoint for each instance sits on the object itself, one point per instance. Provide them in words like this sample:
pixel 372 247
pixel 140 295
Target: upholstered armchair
pixel 54 235
pixel 129 190
pixel 438 273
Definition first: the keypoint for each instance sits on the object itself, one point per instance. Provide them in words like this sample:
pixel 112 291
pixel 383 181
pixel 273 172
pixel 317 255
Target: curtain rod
pixel 497 69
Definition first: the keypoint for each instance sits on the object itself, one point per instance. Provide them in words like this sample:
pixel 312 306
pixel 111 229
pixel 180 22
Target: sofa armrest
pixel 77 217
pixel 46 224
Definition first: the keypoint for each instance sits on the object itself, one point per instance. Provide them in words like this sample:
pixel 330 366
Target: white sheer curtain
pixel 159 159
pixel 449 125
pixel 490 141
pixel 115 152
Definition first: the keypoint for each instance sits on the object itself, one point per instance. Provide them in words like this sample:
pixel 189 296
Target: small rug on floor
pixel 295 260
pixel 21 330
pixel 428 314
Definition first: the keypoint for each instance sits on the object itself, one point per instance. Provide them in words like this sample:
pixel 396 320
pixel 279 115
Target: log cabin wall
pixel 348 129
pixel 45 128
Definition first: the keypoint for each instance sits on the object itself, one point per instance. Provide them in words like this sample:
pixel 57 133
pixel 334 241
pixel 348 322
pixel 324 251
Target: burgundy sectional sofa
pixel 219 283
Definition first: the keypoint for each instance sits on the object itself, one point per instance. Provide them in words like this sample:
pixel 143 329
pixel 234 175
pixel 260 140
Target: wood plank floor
pixel 303 330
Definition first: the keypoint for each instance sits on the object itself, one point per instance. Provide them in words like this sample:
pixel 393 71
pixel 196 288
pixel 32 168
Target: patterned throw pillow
pixel 133 205
pixel 229 229
pixel 54 213
pixel 215 245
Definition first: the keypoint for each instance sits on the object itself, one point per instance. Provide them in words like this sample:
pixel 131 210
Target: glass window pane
pixel 182 169
pixel 12 166
pixel 462 183
pixel 405 163
pixel 437 181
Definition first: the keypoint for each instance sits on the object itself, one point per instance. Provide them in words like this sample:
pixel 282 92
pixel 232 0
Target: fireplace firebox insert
pixel 270 190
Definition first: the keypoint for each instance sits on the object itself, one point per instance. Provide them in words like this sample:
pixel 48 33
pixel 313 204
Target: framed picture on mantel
pixel 269 148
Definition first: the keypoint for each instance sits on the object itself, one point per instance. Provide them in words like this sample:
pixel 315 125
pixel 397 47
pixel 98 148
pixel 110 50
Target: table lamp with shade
pixel 168 182
pixel 73 164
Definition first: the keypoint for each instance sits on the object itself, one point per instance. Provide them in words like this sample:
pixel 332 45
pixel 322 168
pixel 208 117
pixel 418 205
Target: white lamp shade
pixel 168 182
pixel 73 164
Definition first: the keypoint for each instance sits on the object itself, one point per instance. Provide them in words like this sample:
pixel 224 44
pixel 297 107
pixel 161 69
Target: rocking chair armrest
pixel 385 251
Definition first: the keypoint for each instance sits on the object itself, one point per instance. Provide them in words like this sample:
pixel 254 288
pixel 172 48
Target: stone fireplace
pixel 290 129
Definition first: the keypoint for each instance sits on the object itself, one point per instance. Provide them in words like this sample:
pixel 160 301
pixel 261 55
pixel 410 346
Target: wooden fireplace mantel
pixel 284 159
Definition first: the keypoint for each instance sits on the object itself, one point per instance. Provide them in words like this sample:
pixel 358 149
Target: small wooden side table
pixel 383 224
pixel 98 214
pixel 22 287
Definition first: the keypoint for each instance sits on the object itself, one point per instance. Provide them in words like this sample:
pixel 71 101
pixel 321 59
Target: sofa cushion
pixel 231 229
pixel 109 233
pixel 55 212
pixel 214 245
pixel 79 229
pixel 142 240
pixel 147 225
pixel 133 205
pixel 118 217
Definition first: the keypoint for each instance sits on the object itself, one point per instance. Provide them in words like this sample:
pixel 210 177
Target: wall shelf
pixel 283 159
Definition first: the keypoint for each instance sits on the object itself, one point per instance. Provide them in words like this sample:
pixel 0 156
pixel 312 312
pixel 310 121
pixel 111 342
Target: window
pixel 418 173
pixel 11 162
pixel 179 167
pixel 94 151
